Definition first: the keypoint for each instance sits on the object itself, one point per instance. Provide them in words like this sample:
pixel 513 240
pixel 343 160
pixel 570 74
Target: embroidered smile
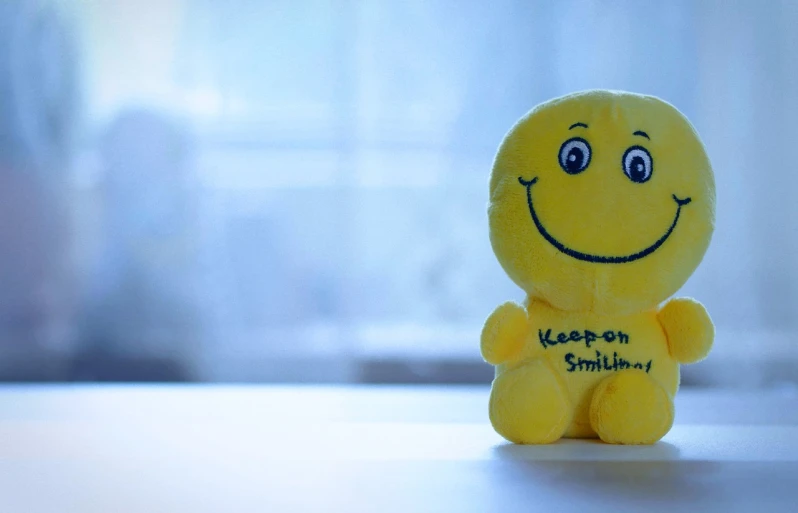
pixel 598 258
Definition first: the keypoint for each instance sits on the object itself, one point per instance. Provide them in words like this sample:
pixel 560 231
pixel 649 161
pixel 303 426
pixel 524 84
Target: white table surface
pixel 373 449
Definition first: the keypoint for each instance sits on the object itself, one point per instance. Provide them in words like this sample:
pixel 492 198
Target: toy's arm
pixel 504 333
pixel 688 328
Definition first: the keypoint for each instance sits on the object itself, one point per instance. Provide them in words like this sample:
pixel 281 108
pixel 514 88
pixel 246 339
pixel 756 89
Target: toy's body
pixel 592 352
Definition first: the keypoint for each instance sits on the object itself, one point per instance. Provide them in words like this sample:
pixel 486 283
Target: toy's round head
pixel 601 201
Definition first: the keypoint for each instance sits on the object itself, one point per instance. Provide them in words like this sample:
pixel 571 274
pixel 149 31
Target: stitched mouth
pixel 599 259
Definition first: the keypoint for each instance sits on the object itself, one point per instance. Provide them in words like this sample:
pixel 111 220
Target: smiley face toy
pixel 602 204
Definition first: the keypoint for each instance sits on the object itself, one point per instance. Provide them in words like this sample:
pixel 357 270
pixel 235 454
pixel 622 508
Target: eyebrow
pixel 642 134
pixel 576 125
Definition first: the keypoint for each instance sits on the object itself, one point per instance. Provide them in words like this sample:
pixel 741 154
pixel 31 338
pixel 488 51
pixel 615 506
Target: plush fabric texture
pixel 602 204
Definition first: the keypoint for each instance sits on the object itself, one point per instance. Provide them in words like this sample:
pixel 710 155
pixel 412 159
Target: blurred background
pixel 207 190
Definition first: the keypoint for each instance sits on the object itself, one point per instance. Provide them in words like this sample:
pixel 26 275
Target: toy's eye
pixel 638 164
pixel 574 155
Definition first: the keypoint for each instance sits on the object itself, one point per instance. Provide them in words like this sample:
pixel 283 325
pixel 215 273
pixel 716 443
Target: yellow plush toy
pixel 602 204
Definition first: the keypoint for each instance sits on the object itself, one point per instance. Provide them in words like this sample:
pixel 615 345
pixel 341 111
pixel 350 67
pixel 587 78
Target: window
pixel 296 190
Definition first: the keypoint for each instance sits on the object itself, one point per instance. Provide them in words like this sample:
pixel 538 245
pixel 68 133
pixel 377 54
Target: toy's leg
pixel 629 407
pixel 529 404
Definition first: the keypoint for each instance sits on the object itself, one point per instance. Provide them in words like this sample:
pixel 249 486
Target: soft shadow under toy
pixel 602 204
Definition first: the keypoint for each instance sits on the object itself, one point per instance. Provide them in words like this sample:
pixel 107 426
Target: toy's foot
pixel 529 404
pixel 629 407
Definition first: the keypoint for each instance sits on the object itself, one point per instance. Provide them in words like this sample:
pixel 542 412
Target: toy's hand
pixel 689 329
pixel 504 333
